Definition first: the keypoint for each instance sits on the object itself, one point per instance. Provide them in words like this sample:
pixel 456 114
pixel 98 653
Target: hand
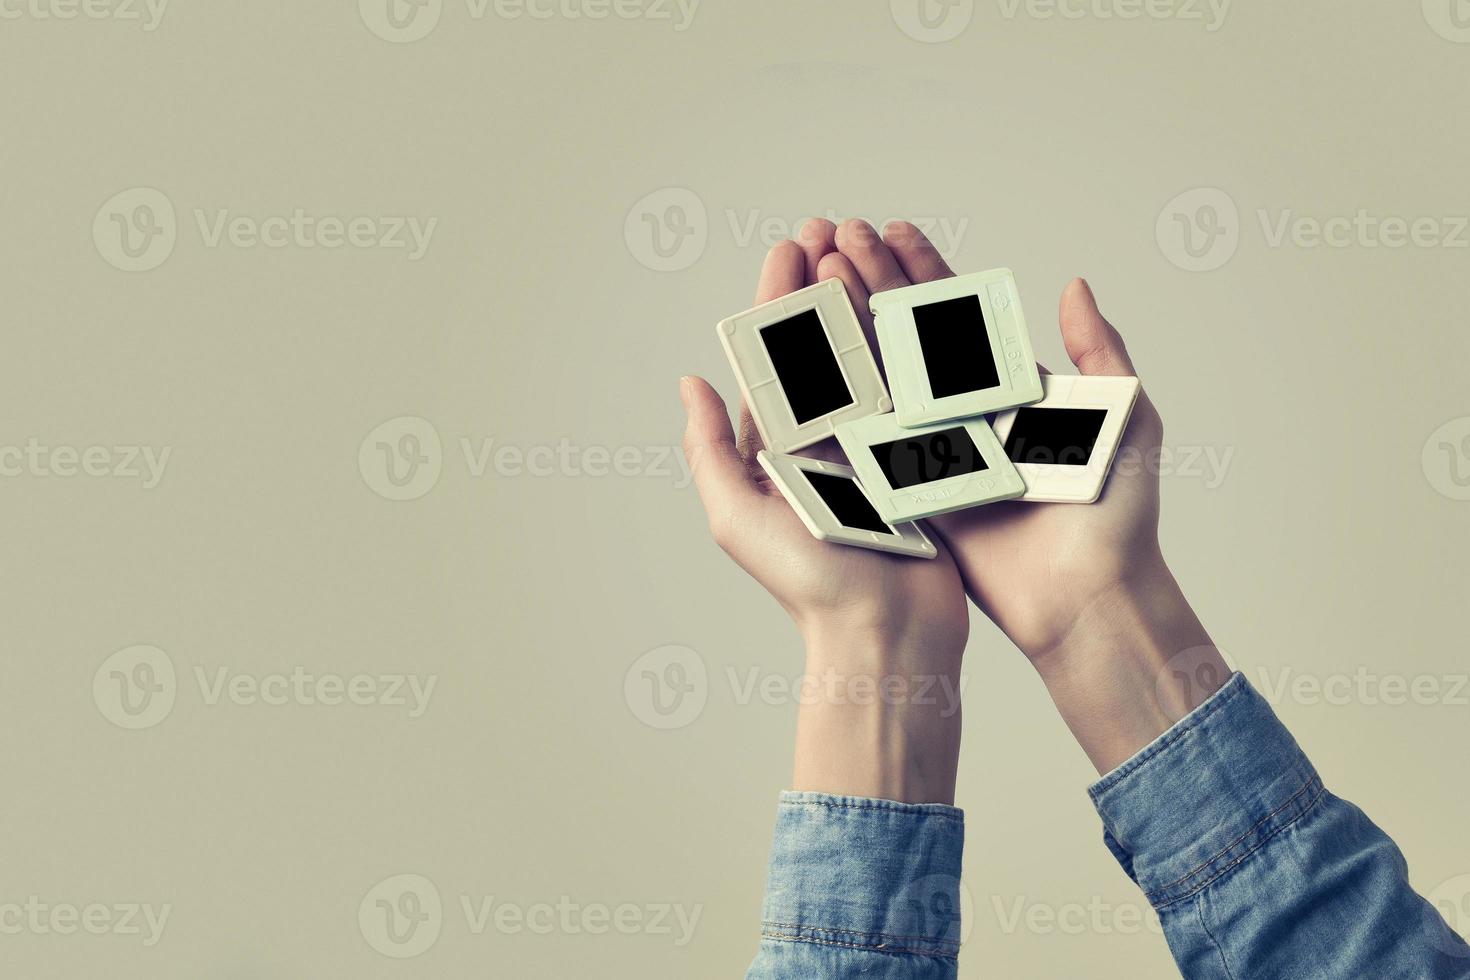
pixel 868 618
pixel 1082 590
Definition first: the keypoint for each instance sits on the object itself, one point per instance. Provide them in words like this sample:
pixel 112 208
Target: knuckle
pixel 1146 416
pixel 722 529
pixel 693 453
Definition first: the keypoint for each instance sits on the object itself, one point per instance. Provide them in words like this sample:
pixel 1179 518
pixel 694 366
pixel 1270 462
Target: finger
pixel 720 474
pixel 1091 342
pixel 835 265
pixel 880 271
pixel 916 255
pixel 784 271
pixel 816 238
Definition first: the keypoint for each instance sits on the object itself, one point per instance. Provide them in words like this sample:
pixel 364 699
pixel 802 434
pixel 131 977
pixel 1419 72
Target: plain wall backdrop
pixel 209 251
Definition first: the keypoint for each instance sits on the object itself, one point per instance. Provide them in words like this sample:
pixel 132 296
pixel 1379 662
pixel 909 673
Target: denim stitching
pixel 832 805
pixel 1257 826
pixel 1199 911
pixel 1235 864
pixel 893 950
pixel 857 932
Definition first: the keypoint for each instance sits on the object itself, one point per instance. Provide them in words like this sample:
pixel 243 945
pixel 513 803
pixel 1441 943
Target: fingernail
pixel 685 385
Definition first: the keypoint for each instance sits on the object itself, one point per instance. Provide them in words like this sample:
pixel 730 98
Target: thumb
pixel 1091 342
pixel 720 475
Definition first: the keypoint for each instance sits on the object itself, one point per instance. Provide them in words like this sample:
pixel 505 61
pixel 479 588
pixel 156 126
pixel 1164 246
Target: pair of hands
pixel 1083 591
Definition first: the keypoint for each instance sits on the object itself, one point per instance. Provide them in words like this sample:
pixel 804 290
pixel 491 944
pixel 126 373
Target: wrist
pixel 1134 662
pixel 886 641
pixel 879 715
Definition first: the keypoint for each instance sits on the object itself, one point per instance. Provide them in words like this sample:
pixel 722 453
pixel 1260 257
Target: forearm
pixel 879 715
pixel 1254 868
pixel 865 865
pixel 1135 661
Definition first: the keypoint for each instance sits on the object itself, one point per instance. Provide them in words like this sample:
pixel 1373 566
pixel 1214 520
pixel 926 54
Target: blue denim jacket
pixel 1256 871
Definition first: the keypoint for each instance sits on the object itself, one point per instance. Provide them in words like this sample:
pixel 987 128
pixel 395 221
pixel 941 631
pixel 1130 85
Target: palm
pixel 807 575
pixel 1015 557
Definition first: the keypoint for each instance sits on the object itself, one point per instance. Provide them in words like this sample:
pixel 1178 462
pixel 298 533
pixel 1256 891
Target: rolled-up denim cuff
pixel 866 874
pixel 1206 795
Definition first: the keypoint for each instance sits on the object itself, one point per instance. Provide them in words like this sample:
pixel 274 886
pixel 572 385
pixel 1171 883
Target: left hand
pixel 884 633
pixel 827 589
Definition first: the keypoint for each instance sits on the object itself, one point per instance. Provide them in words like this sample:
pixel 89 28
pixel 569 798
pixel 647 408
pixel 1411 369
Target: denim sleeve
pixel 861 888
pixel 1255 869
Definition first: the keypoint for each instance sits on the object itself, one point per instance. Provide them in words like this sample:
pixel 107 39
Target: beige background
pixel 536 318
